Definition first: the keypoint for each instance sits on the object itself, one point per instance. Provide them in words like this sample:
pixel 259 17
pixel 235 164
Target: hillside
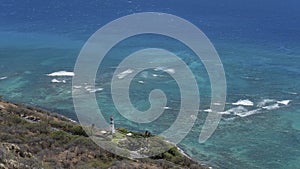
pixel 35 138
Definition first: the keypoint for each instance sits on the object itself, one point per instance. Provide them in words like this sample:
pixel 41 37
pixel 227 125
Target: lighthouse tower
pixel 112 125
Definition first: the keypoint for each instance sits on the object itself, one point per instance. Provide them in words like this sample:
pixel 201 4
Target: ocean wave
pixel 58 81
pixel 234 110
pixel 243 103
pixel 92 89
pixel 207 110
pixel 265 101
pixel 272 107
pixel 248 113
pixel 292 93
pixel 61 73
pixel 169 70
pixel 284 102
pixel 124 74
pixel 240 111
pixel 271 104
pixel 263 106
pixel 77 87
pixel 158 69
pixel 2 78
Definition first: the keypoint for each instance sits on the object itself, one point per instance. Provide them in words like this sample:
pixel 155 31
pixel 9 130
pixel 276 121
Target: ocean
pixel 258 43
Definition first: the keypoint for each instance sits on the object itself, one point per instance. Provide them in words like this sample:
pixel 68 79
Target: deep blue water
pixel 258 43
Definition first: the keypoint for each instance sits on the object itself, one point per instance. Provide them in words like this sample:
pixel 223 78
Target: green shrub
pixel 61 137
pixel 137 135
pixel 15 119
pixel 78 130
pixel 123 130
pixel 10 108
pixel 174 151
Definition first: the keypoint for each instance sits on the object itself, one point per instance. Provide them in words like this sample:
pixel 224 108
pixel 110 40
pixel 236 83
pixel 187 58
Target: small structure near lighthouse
pixel 112 126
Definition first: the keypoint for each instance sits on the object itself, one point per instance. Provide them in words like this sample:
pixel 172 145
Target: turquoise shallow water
pixel 267 138
pixel 261 59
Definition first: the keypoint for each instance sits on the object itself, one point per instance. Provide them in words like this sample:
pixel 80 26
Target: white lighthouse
pixel 112 125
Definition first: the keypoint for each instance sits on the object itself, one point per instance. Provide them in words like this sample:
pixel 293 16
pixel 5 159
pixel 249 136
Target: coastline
pixel 32 116
pixel 76 122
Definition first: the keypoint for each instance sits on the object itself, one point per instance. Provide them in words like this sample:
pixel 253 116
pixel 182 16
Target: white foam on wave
pixel 2 78
pixel 77 87
pixel 292 93
pixel 266 104
pixel 240 111
pixel 92 89
pixel 88 87
pixel 207 110
pixel 243 103
pixel 284 102
pixel 234 110
pixel 272 107
pixel 265 101
pixel 61 73
pixel 141 82
pixel 58 81
pixel 248 113
pixel 169 70
pixel 124 73
pixel 158 69
pixel 167 108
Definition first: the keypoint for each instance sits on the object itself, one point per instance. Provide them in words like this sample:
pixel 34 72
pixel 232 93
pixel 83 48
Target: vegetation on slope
pixel 34 138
